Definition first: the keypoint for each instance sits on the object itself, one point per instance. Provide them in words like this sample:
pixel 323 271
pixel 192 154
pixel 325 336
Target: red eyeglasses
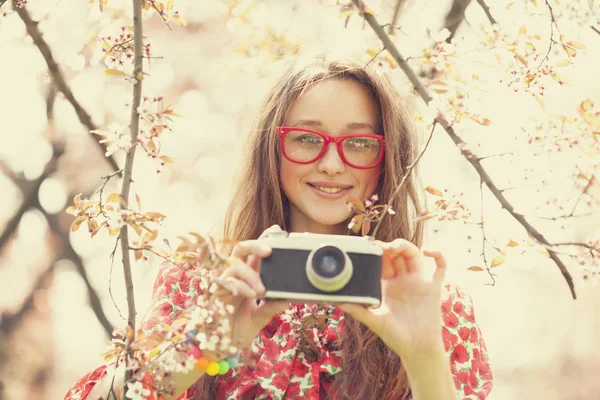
pixel 305 146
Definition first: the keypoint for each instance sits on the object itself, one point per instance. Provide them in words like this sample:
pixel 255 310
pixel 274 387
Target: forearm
pixel 430 376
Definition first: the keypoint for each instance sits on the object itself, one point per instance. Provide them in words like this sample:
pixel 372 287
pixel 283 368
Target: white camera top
pixel 310 241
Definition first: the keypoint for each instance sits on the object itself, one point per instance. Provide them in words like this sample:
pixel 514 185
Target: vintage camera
pixel 324 269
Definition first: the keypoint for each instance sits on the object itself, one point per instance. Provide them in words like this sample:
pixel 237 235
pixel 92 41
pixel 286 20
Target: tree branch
pixel 486 9
pixel 455 17
pixel 595 29
pixel 397 7
pixel 128 169
pixel 9 322
pixel 70 253
pixel 31 197
pixel 59 79
pixel 475 162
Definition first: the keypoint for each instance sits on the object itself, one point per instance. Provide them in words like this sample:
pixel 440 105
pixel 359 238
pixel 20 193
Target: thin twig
pixel 555 24
pixel 474 161
pixel 59 79
pixel 392 25
pixel 595 29
pixel 404 177
pixel 484 238
pixel 110 274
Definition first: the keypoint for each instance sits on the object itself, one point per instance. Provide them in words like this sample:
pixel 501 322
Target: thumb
pixel 360 313
pixel 268 309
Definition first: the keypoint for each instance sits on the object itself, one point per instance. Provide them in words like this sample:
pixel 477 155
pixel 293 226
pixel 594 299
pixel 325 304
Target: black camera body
pixel 323 269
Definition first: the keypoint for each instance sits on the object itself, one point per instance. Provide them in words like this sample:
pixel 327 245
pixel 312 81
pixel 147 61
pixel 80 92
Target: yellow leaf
pixel 369 11
pixel 475 268
pixel 512 243
pixel 115 197
pixel 169 5
pixel 484 121
pixel 356 203
pixel 436 90
pixel 72 210
pixel 113 231
pixel 540 101
pixel 137 228
pixel 521 58
pixel 345 14
pixel 179 20
pixel 433 191
pixel 152 235
pixel 166 159
pixel 530 46
pixel 544 252
pixel 563 63
pixel 366 228
pixel 373 52
pixel 523 30
pixel 498 260
pixel 577 45
pixel 356 223
pixel 570 51
pixel 155 216
pixel 138 254
pixel 92 225
pixel 113 72
pixel 77 223
pixel 137 199
pixel 438 82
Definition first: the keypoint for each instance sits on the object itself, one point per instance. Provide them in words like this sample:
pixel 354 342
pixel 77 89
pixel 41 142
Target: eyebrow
pixel 352 125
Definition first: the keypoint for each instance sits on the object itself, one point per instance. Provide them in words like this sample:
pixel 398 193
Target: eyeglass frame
pixel 284 130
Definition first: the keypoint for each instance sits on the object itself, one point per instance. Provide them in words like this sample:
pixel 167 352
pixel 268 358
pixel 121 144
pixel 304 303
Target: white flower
pixel 136 391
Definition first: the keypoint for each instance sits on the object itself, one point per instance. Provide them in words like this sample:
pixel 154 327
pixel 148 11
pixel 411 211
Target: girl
pixel 330 129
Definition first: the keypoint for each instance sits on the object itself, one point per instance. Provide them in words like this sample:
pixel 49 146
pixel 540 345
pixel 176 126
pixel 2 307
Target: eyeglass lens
pixel 358 150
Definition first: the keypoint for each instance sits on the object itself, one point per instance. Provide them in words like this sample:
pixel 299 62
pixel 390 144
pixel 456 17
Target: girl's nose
pixel 331 163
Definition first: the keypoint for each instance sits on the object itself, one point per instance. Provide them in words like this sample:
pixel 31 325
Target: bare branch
pixel 138 75
pixel 9 322
pixel 70 253
pixel 475 162
pixel 595 29
pixel 59 79
pixel 392 25
pixel 455 17
pixel 31 197
pixel 406 175
pixel 488 14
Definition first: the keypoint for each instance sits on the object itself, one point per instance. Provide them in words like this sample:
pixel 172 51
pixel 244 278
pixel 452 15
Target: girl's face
pixel 335 107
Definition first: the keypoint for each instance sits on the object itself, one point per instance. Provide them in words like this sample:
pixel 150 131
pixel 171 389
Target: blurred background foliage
pixel 213 62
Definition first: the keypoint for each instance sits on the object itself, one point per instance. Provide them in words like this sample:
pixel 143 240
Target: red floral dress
pixel 283 370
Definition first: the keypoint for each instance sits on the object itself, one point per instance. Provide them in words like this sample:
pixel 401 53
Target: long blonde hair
pixel 259 202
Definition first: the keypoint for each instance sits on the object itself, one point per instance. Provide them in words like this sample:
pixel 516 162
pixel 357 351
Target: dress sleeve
pixel 174 290
pixel 463 340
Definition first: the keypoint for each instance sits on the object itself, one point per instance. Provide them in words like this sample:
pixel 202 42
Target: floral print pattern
pixel 284 368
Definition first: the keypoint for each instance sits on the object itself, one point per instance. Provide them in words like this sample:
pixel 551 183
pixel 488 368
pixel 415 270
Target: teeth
pixel 329 190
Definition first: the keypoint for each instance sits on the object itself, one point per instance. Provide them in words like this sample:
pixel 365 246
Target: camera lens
pixel 328 268
pixel 328 261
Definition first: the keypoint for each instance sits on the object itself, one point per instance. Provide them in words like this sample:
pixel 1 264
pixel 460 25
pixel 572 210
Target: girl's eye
pixel 309 139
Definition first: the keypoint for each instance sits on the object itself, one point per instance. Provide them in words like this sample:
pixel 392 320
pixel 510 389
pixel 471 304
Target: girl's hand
pixel 409 320
pixel 244 286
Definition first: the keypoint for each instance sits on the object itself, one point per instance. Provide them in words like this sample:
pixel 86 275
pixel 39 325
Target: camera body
pixel 323 269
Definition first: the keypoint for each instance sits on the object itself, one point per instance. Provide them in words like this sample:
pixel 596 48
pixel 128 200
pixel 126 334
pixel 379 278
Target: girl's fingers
pixel 403 255
pixel 273 228
pixel 440 263
pixel 236 287
pixel 243 272
pixel 251 247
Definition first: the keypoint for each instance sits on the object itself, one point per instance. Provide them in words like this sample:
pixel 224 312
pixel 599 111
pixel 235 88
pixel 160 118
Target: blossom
pixel 137 391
